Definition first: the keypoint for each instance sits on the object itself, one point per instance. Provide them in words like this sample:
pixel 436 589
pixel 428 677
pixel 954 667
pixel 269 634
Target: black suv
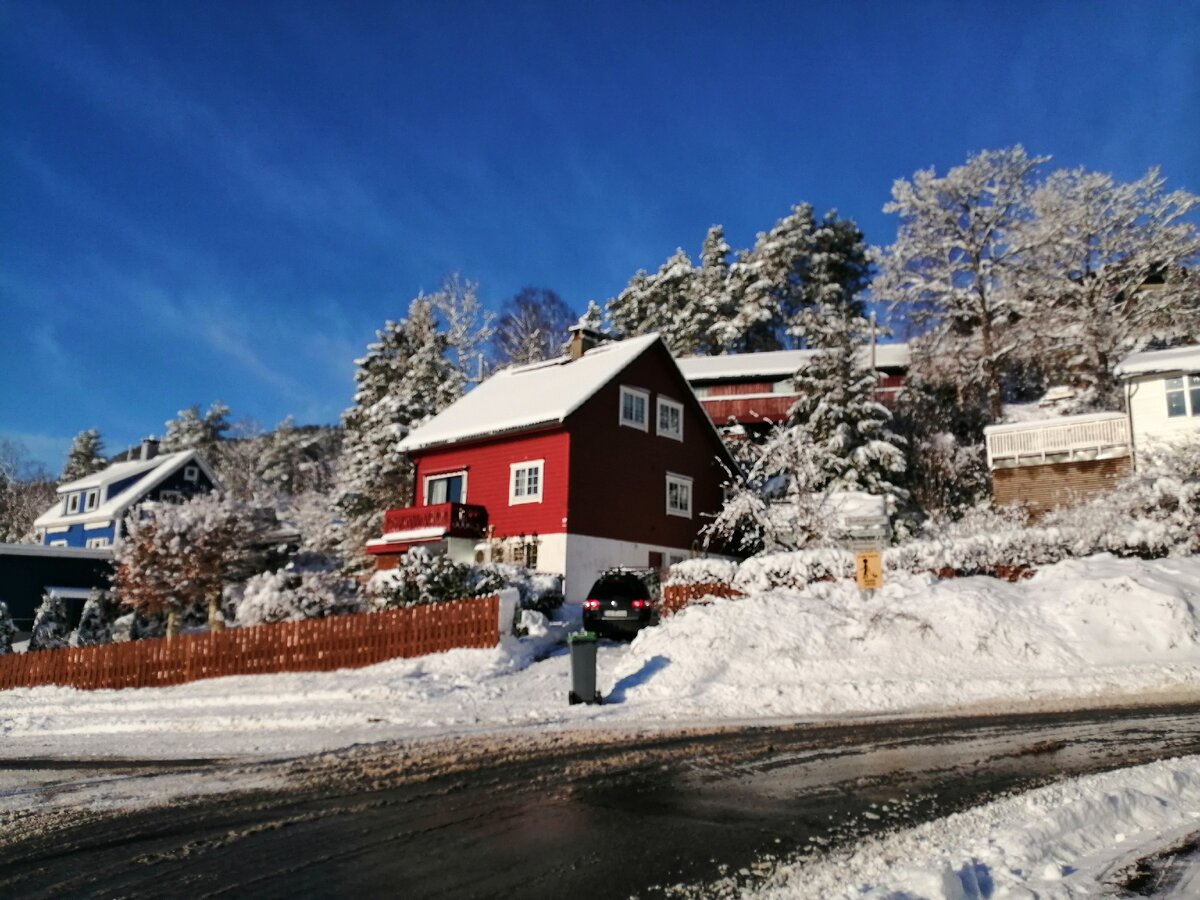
pixel 619 605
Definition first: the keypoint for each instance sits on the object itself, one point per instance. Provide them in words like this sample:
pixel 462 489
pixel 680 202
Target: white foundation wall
pixel 586 557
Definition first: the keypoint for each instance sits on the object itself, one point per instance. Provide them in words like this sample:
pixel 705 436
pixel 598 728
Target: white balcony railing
pixel 1056 440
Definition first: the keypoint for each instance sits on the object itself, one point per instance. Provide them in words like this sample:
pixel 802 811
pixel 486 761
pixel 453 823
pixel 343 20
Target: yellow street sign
pixel 868 570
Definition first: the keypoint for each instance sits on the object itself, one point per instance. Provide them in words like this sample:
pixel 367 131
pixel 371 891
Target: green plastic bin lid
pixel 582 637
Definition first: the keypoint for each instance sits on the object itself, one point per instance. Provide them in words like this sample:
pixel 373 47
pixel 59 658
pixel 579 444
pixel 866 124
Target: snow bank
pixel 1083 627
pixel 1065 840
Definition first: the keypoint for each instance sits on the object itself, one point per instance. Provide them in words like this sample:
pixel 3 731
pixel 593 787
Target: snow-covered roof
pixel 527 396
pixel 154 472
pixel 1052 422
pixel 778 363
pixel 1179 359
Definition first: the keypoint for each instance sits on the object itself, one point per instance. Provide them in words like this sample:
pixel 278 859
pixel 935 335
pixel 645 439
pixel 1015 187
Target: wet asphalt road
pixel 572 815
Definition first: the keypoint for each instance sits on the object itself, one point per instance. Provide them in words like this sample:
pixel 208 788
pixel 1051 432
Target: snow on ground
pixel 1066 840
pixel 1094 629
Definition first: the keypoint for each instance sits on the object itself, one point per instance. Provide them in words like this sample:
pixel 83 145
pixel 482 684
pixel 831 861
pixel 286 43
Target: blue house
pixel 90 510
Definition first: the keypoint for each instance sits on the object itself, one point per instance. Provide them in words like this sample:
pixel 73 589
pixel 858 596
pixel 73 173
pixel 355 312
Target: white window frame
pixel 680 481
pixel 97 542
pixel 668 403
pixel 73 503
pixel 57 544
pixel 436 475
pixel 191 473
pixel 513 498
pixel 627 391
pixel 92 500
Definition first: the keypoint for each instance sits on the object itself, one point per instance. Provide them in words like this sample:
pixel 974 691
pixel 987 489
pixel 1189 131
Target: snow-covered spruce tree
pixel 100 612
pixel 177 556
pixel 662 302
pixel 50 630
pixel 85 456
pixel 849 432
pixel 594 317
pixel 191 431
pixel 532 326
pixel 412 371
pixel 297 460
pixel 1108 274
pixel 959 266
pixel 8 630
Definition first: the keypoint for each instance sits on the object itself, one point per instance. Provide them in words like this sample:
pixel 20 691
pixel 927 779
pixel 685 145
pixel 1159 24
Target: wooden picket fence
pixel 314 645
pixel 676 596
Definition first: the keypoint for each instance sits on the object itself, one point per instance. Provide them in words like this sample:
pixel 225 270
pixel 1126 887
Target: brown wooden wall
pixel 1055 485
pixel 618 474
pixel 314 645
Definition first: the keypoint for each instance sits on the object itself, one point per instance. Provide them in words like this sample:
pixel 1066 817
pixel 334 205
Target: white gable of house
pixel 522 397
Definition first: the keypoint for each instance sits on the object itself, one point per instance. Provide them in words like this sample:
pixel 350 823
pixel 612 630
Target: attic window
pixel 191 473
pixel 670 419
pixel 73 503
pixel 634 403
pixel 92 500
pixel 525 482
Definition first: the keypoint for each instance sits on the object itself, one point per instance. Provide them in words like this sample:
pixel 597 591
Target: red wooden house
pixel 600 458
pixel 754 390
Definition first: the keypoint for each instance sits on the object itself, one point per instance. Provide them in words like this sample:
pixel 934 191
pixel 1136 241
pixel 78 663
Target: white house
pixel 1162 394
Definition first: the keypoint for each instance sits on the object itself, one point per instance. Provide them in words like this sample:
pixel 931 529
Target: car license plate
pixel 615 614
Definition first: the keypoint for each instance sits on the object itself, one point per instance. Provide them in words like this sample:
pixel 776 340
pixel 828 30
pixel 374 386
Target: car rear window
pixel 618 588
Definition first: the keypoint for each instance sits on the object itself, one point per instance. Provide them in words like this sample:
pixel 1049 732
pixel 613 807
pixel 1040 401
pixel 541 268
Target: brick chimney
pixel 582 340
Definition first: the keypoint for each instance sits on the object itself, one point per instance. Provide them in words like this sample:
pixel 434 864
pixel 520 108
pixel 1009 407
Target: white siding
pixel 587 557
pixel 1148 408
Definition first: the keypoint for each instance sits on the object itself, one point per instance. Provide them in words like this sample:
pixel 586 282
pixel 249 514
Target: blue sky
pixel 205 201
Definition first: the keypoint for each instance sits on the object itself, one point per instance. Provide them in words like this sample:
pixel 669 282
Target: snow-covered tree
pixel 532 326
pixel 1108 273
pixel 467 327
pixel 412 371
pixel 192 431
pixel 50 629
pixel 26 491
pixel 959 265
pixel 299 459
pixel 100 612
pixel 85 456
pixel 662 302
pixel 849 432
pixel 594 317
pixel 177 556
pixel 8 630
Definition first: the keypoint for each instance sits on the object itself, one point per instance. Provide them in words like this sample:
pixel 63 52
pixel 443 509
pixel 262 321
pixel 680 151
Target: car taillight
pixel 638 604
pixel 591 604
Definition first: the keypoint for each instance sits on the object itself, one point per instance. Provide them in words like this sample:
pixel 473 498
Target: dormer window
pixel 191 473
pixel 92 500
pixel 634 404
pixel 73 504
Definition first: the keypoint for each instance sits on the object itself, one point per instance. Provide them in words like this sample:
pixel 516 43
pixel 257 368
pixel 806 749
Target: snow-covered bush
pixel 423 578
pixel 49 624
pixel 299 591
pixel 7 629
pixel 100 612
pixel 542 591
pixel 793 570
pixel 702 571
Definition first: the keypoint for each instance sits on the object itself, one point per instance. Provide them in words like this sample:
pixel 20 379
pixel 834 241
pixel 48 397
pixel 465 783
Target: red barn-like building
pixel 603 457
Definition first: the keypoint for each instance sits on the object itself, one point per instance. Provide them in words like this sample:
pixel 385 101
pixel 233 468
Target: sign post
pixel 868 569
